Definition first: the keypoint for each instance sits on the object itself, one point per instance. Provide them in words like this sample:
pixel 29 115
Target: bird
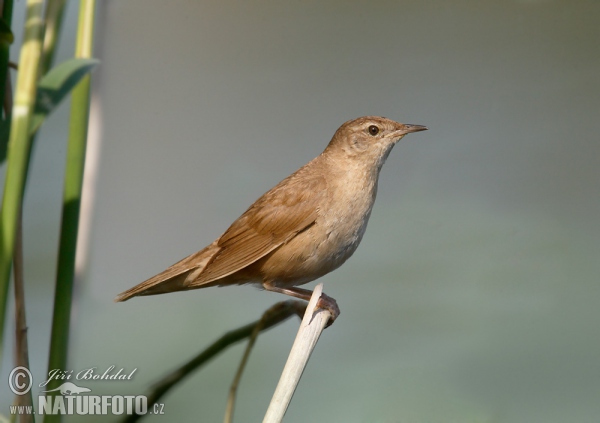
pixel 301 229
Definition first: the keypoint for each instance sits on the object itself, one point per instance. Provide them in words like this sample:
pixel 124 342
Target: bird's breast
pixel 329 242
pixel 345 220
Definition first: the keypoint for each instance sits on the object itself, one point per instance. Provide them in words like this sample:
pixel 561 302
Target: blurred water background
pixel 475 294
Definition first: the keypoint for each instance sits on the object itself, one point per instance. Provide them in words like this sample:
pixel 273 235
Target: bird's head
pixel 369 139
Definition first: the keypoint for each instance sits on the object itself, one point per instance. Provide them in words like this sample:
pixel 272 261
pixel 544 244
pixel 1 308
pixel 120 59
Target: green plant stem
pixel 78 126
pixel 19 147
pixel 54 16
pixel 71 199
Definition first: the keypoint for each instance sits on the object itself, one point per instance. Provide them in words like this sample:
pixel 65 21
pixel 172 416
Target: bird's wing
pixel 274 219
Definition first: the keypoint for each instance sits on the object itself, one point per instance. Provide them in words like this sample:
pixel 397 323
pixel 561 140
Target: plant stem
pixel 71 200
pixel 19 147
pixel 312 326
pixel 21 344
pixel 54 16
pixel 273 316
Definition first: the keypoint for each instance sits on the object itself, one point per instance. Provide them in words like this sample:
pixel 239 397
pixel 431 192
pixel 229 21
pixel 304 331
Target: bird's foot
pixel 327 303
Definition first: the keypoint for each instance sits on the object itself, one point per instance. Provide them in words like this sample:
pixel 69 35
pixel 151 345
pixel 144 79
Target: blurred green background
pixel 475 294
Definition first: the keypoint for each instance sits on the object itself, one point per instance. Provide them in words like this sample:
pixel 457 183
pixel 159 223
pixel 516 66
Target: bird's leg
pixel 325 301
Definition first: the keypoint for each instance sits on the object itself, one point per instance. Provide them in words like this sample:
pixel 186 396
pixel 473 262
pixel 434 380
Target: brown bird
pixel 306 226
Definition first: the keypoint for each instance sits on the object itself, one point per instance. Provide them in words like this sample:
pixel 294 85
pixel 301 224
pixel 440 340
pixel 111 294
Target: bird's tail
pixel 174 278
pixel 159 284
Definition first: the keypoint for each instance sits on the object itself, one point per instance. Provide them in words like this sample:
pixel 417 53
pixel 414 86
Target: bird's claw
pixel 327 303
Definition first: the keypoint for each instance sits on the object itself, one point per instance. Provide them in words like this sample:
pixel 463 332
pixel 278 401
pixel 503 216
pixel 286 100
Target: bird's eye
pixel 373 130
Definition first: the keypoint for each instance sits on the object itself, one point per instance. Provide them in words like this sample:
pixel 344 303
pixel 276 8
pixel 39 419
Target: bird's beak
pixel 407 129
pixel 398 134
